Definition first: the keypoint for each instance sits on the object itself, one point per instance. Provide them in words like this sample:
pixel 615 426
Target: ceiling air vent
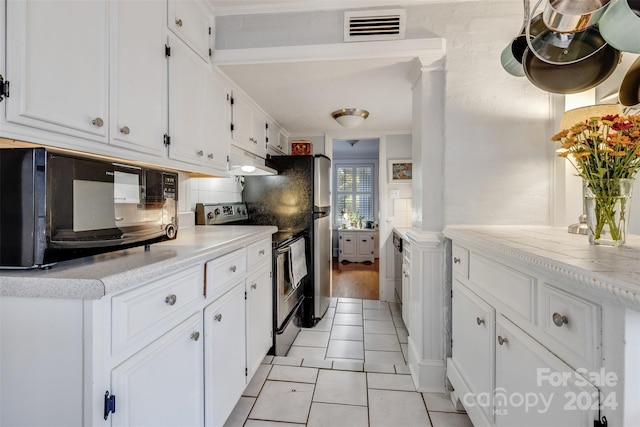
pixel 369 25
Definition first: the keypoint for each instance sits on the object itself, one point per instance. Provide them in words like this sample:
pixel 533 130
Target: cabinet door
pixel 138 75
pixel 57 63
pixel 365 245
pixel 216 123
pixel 225 367
pixel 187 88
pixel 162 384
pixel 274 140
pixel 259 317
pixel 535 388
pixel 248 129
pixel 473 349
pixel 191 21
pixel 347 245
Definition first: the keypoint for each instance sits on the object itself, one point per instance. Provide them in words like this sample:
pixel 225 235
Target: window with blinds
pixel 355 191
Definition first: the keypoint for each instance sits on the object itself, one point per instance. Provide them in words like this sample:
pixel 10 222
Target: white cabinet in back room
pixel 58 67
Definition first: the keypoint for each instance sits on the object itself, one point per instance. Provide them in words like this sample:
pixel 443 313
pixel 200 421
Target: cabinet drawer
pixel 145 313
pixel 460 261
pixel 258 253
pixel 224 272
pixel 512 289
pixel 574 323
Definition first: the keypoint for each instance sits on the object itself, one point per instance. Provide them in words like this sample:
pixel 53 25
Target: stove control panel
pixel 220 213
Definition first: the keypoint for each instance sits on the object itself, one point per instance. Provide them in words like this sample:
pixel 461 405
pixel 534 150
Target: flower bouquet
pixel 606 153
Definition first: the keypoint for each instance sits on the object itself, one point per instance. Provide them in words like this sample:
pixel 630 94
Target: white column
pixel 429 298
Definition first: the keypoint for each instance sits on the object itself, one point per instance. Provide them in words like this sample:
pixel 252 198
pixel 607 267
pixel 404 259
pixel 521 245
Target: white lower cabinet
pixel 473 327
pixel 508 366
pixel 534 388
pixel 259 314
pixel 162 383
pixel 356 245
pixel 225 374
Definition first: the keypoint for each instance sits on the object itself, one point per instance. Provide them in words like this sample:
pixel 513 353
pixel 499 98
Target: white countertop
pixel 96 276
pixel 613 271
pixel 402 231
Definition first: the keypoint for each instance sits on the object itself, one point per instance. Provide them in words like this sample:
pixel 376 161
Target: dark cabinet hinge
pixel 245 294
pixel 210 52
pixel 109 404
pixel 4 88
pixel 232 127
pixel 167 50
pixel 209 30
pixel 601 422
pixel 232 100
pixel 167 140
pixel 246 372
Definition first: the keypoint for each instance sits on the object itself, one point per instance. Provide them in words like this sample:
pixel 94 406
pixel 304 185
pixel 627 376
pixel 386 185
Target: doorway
pixel 356 216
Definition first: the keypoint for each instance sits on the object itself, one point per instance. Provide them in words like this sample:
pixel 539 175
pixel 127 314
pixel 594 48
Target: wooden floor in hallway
pixel 355 280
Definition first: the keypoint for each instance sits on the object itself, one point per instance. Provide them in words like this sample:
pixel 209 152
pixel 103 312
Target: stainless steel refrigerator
pixel 297 199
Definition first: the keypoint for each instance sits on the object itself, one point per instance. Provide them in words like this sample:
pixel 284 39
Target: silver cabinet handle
pixel 559 319
pixel 171 299
pixel 217 317
pixel 200 153
pixel 98 122
pixel 502 340
pixel 210 156
pixel 261 252
pixel 179 22
pixel 479 321
pixel 125 130
pixel 233 268
pixel 195 336
pixel 456 260
pixel 254 286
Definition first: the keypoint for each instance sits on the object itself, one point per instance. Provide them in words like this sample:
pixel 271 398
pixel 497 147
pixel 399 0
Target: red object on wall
pixel 301 148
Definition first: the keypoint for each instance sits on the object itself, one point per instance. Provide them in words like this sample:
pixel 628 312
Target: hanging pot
pixel 570 16
pixel 589 61
pixel 511 57
pixel 620 26
pixel 629 94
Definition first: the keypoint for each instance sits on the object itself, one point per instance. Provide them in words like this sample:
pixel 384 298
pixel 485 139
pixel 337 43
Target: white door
pixel 473 352
pixel 190 20
pixel 162 384
pixel 138 75
pixel 225 357
pixel 534 388
pixel 187 90
pixel 57 63
pixel 216 121
pixel 259 288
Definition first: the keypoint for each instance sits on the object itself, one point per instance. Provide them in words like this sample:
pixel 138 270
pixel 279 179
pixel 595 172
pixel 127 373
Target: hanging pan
pixel 629 94
pixel 511 57
pixel 620 25
pixel 568 63
pixel 571 16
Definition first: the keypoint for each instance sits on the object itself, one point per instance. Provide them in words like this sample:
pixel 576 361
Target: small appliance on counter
pixel 58 206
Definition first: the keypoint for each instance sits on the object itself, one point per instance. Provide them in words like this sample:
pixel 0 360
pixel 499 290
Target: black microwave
pixel 58 206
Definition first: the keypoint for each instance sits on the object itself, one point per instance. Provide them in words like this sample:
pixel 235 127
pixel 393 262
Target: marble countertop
pixel 614 271
pixel 402 231
pixel 96 276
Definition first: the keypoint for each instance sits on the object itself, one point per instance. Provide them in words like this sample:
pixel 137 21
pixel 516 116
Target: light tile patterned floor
pixel 348 371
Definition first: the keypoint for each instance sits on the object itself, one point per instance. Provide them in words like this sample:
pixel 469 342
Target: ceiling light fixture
pixel 350 117
pixel 353 141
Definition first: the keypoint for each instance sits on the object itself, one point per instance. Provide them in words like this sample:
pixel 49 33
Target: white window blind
pixel 355 191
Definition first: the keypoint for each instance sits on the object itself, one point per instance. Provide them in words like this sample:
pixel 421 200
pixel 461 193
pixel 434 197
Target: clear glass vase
pixel 607 204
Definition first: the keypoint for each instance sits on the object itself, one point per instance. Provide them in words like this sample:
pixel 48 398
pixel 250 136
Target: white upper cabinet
pixel 248 126
pixel 277 141
pixel 138 76
pixel 191 21
pixel 57 64
pixel 187 83
pixel 216 122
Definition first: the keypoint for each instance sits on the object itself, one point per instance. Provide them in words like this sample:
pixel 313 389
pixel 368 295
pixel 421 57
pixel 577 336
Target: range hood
pixel 244 163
